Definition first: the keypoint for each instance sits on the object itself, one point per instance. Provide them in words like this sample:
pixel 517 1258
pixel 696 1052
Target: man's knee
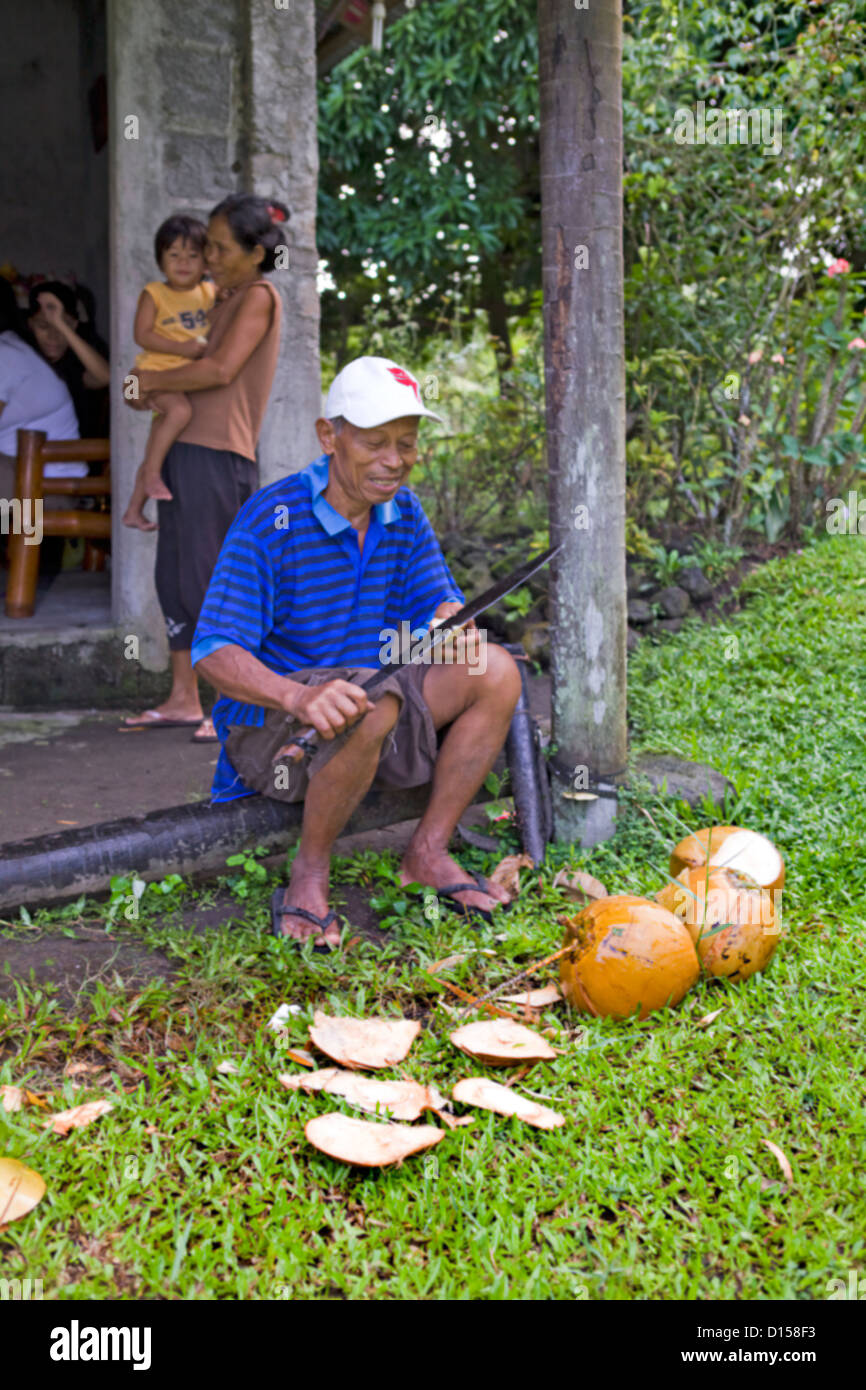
pixel 498 676
pixel 378 722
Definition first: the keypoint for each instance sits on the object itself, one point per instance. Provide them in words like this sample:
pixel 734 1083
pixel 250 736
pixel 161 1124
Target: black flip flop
pixel 278 911
pixel 486 914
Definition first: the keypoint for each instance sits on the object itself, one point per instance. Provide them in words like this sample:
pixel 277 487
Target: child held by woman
pixel 171 325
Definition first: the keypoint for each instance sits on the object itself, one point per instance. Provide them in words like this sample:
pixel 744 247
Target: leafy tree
pixel 429 170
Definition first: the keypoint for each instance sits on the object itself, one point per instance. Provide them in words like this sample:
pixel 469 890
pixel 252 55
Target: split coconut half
pixel 20 1189
pixel 364 1043
pixel 629 954
pixel 366 1144
pixel 489 1095
pixel 502 1043
pixel 731 847
pixel 400 1100
pixel 733 924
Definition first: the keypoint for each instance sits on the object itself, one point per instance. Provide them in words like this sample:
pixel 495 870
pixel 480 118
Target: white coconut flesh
pixel 750 854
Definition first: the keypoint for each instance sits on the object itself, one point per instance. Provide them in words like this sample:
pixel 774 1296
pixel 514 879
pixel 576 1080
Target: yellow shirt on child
pixel 180 314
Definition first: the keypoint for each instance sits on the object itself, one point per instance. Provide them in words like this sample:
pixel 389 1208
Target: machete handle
pixel 302 746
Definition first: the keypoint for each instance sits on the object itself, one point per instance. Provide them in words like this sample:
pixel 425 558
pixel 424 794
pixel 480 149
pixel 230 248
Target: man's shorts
pixel 408 753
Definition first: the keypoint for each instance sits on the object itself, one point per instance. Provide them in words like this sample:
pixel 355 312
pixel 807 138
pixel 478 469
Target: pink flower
pixel 744 420
pixel 778 357
pixel 839 267
pixel 857 345
pixel 755 356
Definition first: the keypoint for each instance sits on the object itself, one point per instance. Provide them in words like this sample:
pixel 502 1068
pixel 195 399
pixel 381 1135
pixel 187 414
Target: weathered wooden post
pixel 581 183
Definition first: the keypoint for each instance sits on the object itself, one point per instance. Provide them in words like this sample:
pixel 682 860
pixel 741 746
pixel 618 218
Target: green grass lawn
pixel 202 1185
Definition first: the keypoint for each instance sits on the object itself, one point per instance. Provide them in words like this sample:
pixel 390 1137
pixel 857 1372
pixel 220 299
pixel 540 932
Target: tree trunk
pixel 494 305
pixel 581 183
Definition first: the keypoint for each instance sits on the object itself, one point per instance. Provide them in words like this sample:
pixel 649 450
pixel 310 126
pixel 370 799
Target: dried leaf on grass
pixel 534 998
pixel 228 1068
pixel 489 1095
pixel 502 1042
pixel 781 1158
pixel 80 1068
pixel 580 887
pixel 402 1100
pixel 369 1145
pixel 20 1189
pixel 709 1018
pixel 364 1043
pixel 507 872
pixel 11 1098
pixel 447 961
pixel 78 1116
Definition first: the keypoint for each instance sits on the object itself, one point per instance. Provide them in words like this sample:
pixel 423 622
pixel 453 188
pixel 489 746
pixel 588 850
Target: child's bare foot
pixel 154 487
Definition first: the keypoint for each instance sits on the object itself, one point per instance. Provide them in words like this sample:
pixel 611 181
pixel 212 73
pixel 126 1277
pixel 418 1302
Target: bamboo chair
pixel 34 451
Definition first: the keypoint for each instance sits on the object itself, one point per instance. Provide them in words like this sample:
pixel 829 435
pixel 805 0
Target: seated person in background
pixel 76 353
pixel 31 398
pixel 171 324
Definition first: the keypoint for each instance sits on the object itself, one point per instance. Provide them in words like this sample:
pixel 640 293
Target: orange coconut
pixel 629 953
pixel 734 925
pixel 731 847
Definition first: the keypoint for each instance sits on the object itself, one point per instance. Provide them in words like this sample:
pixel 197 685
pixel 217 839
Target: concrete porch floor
pixel 69 599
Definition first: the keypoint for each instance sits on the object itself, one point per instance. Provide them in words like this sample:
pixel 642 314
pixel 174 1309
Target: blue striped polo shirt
pixel 291 587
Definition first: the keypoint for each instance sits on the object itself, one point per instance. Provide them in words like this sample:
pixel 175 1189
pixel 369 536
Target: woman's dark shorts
pixel 208 487
pixel 408 753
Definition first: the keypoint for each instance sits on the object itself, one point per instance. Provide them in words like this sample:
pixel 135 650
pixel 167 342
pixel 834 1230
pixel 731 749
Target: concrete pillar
pixel 283 162
pixel 205 101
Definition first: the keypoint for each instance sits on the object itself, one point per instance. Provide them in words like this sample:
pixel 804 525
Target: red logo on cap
pixel 405 380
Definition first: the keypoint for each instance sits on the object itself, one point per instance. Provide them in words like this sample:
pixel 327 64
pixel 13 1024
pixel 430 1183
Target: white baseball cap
pixel 373 391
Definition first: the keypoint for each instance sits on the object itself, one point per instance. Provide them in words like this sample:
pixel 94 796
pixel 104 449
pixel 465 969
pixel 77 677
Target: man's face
pixel 369 465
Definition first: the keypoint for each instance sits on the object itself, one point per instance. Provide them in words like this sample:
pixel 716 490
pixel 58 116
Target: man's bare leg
pixel 481 706
pixel 331 798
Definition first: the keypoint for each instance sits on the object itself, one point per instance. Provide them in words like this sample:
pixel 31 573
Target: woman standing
pixel 211 469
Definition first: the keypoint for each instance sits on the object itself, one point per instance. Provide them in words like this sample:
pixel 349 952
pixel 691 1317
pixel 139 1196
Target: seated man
pixel 315 573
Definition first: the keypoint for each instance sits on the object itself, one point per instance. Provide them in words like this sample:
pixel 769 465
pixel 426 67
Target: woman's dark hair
pixel 188 228
pixel 10 314
pixel 253 223
pixel 65 293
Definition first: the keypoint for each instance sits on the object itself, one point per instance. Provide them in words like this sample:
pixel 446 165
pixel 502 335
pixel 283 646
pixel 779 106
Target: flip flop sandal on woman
pixel 152 719
pixel 481 884
pixel 279 910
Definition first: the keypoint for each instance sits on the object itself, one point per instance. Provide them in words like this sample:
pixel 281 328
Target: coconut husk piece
pixel 489 1095
pixel 400 1100
pixel 502 1043
pixel 366 1144
pixel 364 1043
pixel 20 1189
pixel 535 998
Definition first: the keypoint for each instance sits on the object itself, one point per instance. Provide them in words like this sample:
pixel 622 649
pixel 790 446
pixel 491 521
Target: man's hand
pixel 466 643
pixel 330 708
pixel 447 610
